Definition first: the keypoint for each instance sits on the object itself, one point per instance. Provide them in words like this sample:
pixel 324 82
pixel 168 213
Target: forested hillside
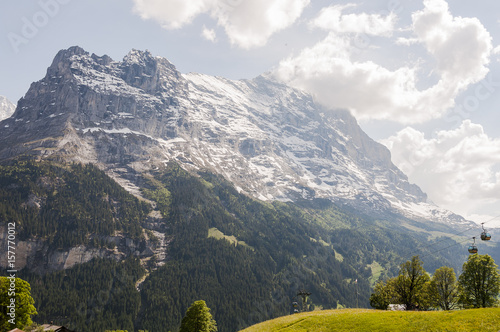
pixel 94 296
pixel 276 249
pixel 246 258
pixel 67 205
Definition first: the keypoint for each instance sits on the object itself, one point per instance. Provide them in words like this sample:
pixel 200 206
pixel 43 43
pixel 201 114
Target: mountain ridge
pixel 7 108
pixel 270 140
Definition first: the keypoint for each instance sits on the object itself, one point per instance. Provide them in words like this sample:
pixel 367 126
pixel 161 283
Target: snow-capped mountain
pixel 7 108
pixel 271 141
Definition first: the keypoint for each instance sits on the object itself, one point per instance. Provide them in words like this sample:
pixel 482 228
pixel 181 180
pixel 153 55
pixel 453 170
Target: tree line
pixel 478 286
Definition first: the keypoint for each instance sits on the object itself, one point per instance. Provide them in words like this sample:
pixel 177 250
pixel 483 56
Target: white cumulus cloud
pixel 171 14
pixel 247 23
pixel 209 34
pixel 458 169
pixel 369 90
pixel 331 18
pixel 459 48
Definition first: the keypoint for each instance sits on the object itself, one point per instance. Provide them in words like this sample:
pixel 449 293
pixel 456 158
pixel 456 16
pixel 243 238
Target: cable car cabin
pixel 485 236
pixel 472 249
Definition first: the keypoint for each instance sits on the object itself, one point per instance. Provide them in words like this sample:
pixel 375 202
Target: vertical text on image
pixel 11 263
pixel 30 27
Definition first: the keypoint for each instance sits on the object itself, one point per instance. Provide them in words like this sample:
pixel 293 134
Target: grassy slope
pixel 377 320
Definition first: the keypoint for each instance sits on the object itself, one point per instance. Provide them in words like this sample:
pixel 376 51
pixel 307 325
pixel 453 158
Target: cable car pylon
pixel 304 294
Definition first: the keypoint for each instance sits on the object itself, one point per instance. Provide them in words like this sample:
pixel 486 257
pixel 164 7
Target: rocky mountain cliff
pixel 270 140
pixel 7 108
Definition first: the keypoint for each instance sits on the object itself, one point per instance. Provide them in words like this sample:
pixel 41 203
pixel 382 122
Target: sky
pixel 421 76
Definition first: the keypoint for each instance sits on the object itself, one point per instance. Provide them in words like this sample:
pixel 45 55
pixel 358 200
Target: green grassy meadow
pixel 378 320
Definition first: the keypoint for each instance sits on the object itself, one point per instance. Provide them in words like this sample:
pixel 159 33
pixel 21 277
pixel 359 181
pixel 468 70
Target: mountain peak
pixel 139 57
pixel 64 55
pixel 269 140
pixel 67 53
pixel 7 108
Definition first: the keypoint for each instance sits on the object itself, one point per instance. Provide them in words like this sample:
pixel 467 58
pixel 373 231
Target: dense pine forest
pixel 95 296
pixel 67 206
pixel 246 258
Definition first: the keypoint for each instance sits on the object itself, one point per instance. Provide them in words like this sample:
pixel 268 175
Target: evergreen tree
pixel 198 319
pixel 479 283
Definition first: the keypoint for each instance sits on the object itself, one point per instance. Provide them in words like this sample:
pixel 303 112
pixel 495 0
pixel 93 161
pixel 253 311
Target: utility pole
pixel 356 282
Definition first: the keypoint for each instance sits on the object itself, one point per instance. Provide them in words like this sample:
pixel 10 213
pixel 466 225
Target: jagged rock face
pixel 37 255
pixel 271 141
pixel 7 108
